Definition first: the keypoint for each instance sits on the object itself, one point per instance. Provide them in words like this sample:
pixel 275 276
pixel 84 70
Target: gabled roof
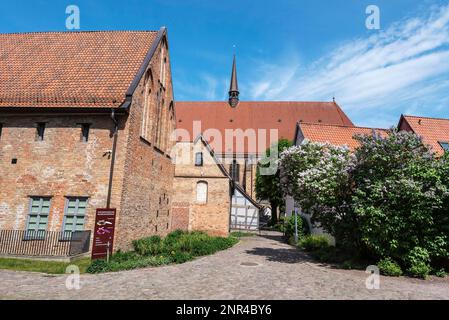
pixel 336 135
pixel 233 184
pixel 280 115
pixel 72 69
pixel 432 130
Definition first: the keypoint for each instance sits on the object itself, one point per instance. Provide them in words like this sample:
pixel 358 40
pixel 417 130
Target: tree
pixel 268 185
pixel 317 176
pixel 399 197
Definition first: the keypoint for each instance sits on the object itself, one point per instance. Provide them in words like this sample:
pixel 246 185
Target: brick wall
pixel 59 166
pixel 148 168
pixel 212 216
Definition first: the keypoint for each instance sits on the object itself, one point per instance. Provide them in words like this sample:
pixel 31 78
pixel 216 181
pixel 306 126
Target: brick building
pixel 85 121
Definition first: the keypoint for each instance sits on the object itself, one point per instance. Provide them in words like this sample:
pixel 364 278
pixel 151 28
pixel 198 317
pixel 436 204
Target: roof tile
pixel 70 69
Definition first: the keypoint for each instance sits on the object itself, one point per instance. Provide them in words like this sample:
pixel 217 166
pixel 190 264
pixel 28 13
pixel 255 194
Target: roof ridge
pixel 78 31
pixel 340 125
pixel 257 101
pixel 423 117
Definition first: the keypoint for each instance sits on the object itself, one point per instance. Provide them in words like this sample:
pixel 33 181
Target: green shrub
pixel 314 242
pixel 181 257
pixel 98 266
pixel 289 226
pixel 177 247
pixel 148 246
pixel 389 267
pixel 418 261
pixel 440 273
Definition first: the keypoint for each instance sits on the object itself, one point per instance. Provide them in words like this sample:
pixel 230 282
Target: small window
pixel 38 217
pixel 85 132
pixel 445 146
pixel 199 159
pixel 201 192
pixel 235 171
pixel 40 129
pixel 74 215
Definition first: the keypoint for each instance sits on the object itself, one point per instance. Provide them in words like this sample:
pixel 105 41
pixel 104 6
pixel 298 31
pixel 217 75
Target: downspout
pixel 114 147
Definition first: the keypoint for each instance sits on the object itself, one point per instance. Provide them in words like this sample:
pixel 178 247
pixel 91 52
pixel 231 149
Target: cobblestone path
pixel 259 267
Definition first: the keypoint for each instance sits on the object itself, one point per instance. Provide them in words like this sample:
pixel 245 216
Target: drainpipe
pixel 114 147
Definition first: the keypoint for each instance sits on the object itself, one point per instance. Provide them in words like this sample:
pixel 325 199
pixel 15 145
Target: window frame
pixel 202 182
pixel 66 234
pixel 31 234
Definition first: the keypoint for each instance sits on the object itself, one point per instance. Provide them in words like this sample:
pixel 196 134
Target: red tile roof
pixel 70 69
pixel 337 135
pixel 281 116
pixel 432 130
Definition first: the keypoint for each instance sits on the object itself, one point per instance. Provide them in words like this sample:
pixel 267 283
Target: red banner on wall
pixel 103 241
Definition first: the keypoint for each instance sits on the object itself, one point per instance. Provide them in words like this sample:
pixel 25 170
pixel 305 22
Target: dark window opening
pixel 85 132
pixel 199 159
pixel 14 161
pixel 40 129
pixel 235 171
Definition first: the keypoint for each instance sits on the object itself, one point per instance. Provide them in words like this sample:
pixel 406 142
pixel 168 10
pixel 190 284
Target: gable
pixel 185 153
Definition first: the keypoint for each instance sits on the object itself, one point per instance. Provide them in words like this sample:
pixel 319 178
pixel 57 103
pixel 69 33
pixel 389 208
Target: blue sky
pixel 286 49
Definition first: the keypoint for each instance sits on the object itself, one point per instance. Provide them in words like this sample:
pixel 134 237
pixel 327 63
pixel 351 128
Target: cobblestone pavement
pixel 256 268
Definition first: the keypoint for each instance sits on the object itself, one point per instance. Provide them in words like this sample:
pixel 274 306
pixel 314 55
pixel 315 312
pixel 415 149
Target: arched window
pixel 146 112
pixel 201 192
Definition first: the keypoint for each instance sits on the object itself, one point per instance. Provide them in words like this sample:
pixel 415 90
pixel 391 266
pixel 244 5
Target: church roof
pixel 434 131
pixel 278 115
pixel 336 135
pixel 71 69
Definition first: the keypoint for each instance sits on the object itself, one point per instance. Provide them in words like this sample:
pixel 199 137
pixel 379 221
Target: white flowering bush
pixel 317 176
pixel 389 199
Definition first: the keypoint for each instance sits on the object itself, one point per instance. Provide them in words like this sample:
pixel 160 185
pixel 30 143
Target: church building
pixel 240 132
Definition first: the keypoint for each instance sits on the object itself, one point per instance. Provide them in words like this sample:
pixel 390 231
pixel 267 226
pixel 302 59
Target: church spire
pixel 234 87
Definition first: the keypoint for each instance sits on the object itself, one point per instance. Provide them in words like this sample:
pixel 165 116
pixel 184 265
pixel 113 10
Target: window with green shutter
pixel 38 217
pixel 74 215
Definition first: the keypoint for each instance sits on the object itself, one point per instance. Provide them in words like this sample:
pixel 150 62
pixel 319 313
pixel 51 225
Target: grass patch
pixel 240 234
pixel 177 247
pixel 51 267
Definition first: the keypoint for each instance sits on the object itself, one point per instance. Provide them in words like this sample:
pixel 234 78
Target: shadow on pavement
pixel 284 255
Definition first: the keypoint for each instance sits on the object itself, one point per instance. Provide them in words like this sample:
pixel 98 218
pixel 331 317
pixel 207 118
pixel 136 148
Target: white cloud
pixel 404 65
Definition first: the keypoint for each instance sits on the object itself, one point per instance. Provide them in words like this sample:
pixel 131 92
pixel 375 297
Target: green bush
pixel 98 266
pixel 440 273
pixel 177 247
pixel 418 261
pixel 289 226
pixel 314 242
pixel 148 246
pixel 389 267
